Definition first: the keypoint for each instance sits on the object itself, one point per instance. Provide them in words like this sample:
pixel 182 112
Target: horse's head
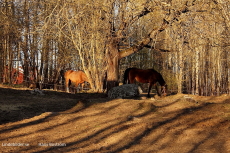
pixel 164 89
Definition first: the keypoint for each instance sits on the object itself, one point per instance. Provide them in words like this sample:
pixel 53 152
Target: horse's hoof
pixel 143 98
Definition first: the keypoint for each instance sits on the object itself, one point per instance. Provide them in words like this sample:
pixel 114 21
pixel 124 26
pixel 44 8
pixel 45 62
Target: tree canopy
pixel 187 41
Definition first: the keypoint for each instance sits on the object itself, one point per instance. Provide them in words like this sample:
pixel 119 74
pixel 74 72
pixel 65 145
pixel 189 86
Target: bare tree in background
pixel 187 41
pixel 98 29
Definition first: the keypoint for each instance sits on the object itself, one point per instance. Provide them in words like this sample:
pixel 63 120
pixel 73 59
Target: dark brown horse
pixel 77 77
pixel 150 76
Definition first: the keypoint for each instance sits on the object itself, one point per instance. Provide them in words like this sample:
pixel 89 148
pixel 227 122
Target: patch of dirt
pixel 90 122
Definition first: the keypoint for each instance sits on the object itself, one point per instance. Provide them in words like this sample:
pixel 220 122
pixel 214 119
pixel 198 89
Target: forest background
pixel 187 41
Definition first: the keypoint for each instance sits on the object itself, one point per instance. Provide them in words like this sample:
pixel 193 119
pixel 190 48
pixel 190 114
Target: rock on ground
pixel 125 91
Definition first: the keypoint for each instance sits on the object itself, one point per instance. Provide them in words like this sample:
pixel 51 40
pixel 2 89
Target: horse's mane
pixel 160 78
pixel 153 70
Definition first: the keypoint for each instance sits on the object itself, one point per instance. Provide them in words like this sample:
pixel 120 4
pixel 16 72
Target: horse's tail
pixel 126 76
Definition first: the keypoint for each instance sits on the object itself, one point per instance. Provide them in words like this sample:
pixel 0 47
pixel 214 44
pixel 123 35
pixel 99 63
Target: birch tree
pixel 98 29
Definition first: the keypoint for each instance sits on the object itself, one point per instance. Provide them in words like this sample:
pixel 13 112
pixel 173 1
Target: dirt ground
pixel 91 123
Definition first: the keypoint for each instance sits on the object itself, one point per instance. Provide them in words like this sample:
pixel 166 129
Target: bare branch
pixel 144 42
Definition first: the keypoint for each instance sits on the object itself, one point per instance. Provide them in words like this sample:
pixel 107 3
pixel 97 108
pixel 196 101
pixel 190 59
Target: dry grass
pixel 93 123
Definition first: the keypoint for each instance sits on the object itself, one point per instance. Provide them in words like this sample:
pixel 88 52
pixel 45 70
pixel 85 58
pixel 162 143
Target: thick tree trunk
pixel 112 74
pixel 112 65
pixel 114 56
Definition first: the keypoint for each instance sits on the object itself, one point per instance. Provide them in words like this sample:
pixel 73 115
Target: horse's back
pixel 83 76
pixel 67 73
pixel 141 72
pixel 144 75
pixel 76 76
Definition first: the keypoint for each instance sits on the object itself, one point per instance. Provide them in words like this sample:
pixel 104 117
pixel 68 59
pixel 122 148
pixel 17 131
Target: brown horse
pixel 78 77
pixel 150 76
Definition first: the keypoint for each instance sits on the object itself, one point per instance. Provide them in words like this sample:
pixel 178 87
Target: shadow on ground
pixel 17 105
pixel 98 124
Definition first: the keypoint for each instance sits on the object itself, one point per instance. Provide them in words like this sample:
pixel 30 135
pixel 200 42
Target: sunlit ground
pixel 76 123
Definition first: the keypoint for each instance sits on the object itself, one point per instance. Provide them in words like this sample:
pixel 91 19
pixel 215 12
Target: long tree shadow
pixel 119 125
pixel 17 105
pixel 74 120
pixel 171 123
pixel 135 140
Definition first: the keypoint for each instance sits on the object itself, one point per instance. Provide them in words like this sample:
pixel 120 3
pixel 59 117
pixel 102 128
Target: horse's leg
pixel 150 86
pixel 82 86
pixel 67 85
pixel 76 87
pixel 158 93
